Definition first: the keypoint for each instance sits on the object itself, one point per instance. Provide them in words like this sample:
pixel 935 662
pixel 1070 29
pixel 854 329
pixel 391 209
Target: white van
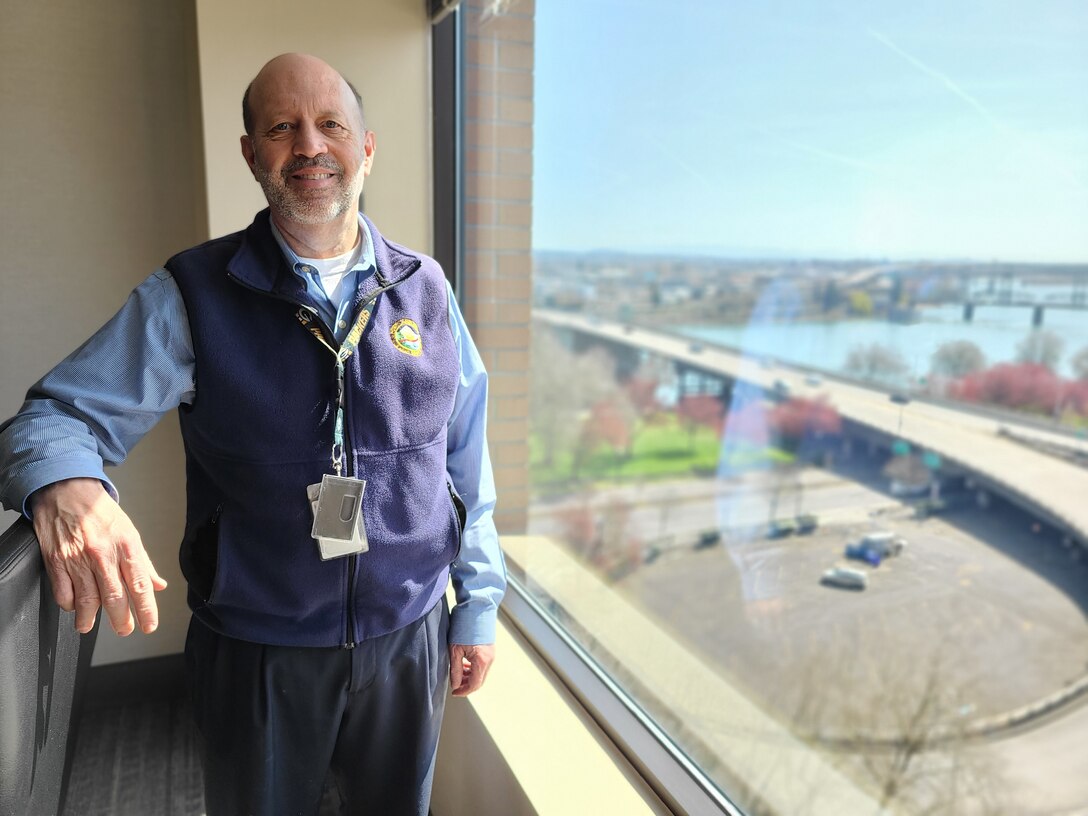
pixel 845 577
pixel 884 542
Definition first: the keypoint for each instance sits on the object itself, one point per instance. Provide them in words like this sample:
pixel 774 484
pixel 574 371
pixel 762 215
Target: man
pixel 332 408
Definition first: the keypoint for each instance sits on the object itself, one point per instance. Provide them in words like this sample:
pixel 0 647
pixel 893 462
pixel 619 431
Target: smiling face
pixel 308 147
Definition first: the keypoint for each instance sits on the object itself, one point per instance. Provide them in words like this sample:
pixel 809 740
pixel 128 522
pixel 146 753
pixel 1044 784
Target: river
pixel 996 330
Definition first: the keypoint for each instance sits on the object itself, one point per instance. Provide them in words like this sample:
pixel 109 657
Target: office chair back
pixel 43 669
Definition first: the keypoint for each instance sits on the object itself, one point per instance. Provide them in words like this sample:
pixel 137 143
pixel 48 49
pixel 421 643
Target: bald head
pixel 308 148
pixel 301 72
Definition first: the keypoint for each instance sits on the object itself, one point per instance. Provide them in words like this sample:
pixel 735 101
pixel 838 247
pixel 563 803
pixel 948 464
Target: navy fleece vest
pixel 261 430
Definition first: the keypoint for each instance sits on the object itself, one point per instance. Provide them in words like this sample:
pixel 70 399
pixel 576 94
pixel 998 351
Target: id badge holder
pixel 337 504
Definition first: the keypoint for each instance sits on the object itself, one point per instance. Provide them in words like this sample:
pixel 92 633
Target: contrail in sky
pixel 1057 162
pixel 942 78
pixel 838 158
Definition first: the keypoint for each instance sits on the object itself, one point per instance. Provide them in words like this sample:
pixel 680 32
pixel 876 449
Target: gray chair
pixel 43 670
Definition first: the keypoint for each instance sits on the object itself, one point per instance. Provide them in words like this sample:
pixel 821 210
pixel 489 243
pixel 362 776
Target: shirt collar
pixel 366 256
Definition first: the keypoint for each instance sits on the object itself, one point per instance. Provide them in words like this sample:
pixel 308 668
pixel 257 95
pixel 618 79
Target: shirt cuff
pixel 473 623
pixel 44 474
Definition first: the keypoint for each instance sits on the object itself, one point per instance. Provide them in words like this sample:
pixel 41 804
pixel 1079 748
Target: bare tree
pixel 956 359
pixel 1080 364
pixel 876 362
pixel 1042 347
pixel 909 470
pixel 564 386
pixel 901 723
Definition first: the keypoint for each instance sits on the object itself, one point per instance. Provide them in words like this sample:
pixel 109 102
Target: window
pixel 784 308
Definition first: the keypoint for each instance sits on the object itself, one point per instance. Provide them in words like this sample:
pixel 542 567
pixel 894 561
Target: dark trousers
pixel 274 720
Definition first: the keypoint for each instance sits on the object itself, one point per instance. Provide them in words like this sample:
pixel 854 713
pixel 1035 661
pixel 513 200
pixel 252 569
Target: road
pixel 1000 617
pixel 1052 488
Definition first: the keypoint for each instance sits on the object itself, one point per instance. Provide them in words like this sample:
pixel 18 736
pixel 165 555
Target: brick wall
pixel 498 234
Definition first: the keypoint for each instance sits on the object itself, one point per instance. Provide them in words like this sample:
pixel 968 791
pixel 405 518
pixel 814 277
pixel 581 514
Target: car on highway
pixel 845 578
pixel 814 380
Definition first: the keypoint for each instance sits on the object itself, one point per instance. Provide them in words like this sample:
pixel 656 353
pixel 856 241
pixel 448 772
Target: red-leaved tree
pixel 1020 386
pixel 799 420
pixel 700 410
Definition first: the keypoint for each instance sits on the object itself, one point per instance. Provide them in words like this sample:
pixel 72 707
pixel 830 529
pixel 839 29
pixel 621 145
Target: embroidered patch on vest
pixel 405 334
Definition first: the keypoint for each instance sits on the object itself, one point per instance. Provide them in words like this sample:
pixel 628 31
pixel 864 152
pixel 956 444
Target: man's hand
pixel 94 556
pixel 468 667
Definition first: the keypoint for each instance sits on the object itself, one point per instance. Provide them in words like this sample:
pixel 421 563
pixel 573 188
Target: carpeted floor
pixel 142 759
pixel 138 759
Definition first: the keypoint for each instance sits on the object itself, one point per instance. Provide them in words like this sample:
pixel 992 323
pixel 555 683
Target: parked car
pixel 708 538
pixel 780 528
pixel 884 542
pixel 863 552
pixel 807 523
pixel 845 577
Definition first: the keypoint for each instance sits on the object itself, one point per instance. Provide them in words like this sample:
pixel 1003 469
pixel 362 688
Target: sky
pixel 833 129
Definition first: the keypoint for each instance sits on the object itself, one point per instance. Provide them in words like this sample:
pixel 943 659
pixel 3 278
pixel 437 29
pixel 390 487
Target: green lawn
pixel 661 450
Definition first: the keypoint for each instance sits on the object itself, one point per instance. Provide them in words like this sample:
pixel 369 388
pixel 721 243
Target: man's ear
pixel 248 153
pixel 369 145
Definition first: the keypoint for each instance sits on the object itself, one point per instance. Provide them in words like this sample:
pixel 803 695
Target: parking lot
pixel 968 598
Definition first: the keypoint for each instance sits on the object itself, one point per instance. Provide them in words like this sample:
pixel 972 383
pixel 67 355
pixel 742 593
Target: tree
pixel 610 422
pixel 564 386
pixel 909 470
pixel 876 362
pixel 1080 364
pixel 700 409
pixel 1042 347
pixel 860 303
pixel 1025 387
pixel 898 721
pixel 956 359
pixel 800 424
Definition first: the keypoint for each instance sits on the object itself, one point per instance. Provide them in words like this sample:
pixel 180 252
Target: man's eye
pixel 281 127
pixel 331 124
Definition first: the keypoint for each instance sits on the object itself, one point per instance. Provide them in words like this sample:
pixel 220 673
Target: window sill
pixel 771 766
pixel 524 746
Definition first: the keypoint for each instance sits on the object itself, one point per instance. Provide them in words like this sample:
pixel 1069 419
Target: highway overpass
pixel 1049 487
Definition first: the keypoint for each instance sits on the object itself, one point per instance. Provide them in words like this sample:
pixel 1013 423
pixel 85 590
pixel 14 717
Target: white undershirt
pixel 331 271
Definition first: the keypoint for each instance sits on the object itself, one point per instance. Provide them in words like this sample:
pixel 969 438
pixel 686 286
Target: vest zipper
pixel 349 643
pixel 354 562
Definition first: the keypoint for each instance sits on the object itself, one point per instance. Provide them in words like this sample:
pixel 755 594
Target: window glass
pixel 808 389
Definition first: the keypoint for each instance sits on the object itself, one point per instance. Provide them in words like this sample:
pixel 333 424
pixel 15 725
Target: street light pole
pixel 901 400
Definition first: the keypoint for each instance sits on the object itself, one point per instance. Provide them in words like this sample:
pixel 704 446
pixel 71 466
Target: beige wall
pixel 121 147
pixel 101 181
pixel 382 46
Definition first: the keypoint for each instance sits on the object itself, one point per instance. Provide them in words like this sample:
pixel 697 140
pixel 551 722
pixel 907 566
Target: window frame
pixel 673 777
pixel 670 774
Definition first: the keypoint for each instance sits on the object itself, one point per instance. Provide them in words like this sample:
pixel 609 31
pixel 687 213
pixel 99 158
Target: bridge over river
pixel 971 443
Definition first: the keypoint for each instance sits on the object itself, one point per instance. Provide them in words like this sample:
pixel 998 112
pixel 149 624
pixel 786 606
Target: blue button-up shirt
pixel 98 403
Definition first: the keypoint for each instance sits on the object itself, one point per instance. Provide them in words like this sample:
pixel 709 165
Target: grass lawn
pixel 661 450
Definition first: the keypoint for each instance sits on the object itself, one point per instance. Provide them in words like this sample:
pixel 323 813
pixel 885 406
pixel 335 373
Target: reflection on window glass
pixel 809 389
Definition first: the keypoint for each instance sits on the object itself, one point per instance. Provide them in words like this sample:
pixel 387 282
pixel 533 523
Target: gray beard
pixel 300 209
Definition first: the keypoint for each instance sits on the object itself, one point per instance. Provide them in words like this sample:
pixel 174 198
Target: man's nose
pixel 309 141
